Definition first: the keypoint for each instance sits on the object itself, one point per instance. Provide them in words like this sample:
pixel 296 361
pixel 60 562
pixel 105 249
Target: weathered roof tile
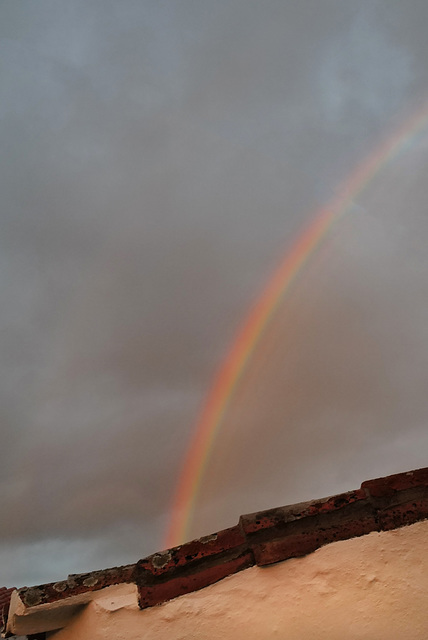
pixel 260 538
pixel 5 595
pixel 76 584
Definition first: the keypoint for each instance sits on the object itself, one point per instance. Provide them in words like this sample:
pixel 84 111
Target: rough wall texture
pixel 372 587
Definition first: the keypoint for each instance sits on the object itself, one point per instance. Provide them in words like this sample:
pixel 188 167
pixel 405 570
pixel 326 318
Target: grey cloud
pixel 364 73
pixel 158 160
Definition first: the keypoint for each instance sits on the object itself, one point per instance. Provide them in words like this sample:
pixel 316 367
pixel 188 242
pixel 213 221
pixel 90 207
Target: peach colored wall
pixel 369 588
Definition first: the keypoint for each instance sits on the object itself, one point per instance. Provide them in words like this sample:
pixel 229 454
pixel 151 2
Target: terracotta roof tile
pixel 390 485
pixel 260 538
pixel 76 584
pixel 5 595
pixel 192 566
pixel 400 499
pixel 297 530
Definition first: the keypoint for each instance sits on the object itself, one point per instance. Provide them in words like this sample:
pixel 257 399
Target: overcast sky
pixel 158 159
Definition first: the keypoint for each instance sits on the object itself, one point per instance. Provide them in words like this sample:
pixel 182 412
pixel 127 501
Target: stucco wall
pixel 372 588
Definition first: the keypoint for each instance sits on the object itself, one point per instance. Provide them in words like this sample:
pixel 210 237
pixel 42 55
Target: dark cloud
pixel 158 159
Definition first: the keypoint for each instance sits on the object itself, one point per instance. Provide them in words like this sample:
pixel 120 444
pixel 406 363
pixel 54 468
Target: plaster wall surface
pixel 369 588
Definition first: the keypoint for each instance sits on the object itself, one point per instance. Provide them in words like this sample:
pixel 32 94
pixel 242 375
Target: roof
pixel 5 595
pixel 261 538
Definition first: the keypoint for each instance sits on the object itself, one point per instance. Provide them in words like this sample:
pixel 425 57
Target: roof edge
pixel 260 538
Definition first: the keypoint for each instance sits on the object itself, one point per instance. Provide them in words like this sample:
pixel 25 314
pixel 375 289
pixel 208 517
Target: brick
pixel 389 485
pixel 288 532
pixel 5 595
pixel 173 559
pixel 402 514
pixel 75 585
pixel 191 566
pixel 187 581
pixel 281 516
pixel 294 545
pixel 400 499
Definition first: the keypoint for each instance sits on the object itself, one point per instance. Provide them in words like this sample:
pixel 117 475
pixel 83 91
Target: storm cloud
pixel 158 160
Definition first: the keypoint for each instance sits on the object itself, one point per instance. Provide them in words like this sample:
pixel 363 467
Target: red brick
pixel 294 545
pixel 287 532
pixel 399 515
pixel 206 574
pixel 387 486
pixel 191 566
pixel 173 559
pixel 5 595
pixel 400 499
pixel 76 584
pixel 277 518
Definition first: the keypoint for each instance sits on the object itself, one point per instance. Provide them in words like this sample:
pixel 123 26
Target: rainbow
pixel 255 324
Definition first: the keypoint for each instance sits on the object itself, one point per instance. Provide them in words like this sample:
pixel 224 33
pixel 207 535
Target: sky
pixel 158 160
